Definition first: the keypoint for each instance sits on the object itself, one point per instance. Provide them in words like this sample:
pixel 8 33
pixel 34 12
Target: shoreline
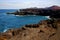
pixel 44 30
pixel 26 24
pixel 46 27
pixel 53 11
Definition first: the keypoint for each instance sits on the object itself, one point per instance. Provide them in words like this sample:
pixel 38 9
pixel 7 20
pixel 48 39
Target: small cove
pixel 8 21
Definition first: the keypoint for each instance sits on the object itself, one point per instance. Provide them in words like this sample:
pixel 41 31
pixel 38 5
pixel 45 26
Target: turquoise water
pixel 8 21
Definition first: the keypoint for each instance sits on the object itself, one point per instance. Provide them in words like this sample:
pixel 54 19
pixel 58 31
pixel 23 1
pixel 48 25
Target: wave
pixel 5 30
pixel 17 15
pixel 26 15
pixel 48 17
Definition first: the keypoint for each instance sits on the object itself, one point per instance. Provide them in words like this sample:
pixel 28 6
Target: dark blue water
pixel 8 21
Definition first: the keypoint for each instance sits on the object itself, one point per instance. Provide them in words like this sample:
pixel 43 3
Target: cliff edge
pixel 44 30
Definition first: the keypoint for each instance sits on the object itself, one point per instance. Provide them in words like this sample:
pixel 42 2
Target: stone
pixel 41 31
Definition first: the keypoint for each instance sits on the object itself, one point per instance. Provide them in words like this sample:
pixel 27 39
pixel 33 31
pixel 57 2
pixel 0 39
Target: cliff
pixel 53 11
pixel 44 30
pixel 48 11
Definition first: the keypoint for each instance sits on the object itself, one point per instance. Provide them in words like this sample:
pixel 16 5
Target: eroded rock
pixel 45 30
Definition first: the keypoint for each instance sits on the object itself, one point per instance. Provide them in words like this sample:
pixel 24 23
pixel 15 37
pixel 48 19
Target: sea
pixel 9 21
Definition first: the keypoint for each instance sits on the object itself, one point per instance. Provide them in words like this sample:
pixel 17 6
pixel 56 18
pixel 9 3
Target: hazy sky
pixel 17 4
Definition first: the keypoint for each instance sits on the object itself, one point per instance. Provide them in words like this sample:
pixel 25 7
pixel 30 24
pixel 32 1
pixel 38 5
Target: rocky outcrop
pixel 49 11
pixel 44 30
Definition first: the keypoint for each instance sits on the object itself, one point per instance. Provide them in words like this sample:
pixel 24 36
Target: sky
pixel 18 4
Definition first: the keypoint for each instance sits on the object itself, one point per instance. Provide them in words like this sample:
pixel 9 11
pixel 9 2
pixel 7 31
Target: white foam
pixel 25 15
pixel 21 15
pixel 34 15
pixel 17 15
pixel 47 17
pixel 5 30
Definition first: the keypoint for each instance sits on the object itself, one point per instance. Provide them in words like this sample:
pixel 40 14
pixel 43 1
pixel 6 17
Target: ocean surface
pixel 8 21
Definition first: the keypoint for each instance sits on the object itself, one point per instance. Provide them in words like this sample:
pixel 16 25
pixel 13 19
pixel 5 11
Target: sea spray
pixel 5 29
pixel 47 17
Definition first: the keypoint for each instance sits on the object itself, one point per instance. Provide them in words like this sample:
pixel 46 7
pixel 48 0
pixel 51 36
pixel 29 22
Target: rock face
pixel 53 11
pixel 44 30
pixel 55 7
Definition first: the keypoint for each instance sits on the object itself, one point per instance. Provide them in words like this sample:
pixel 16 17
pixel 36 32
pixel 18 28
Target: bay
pixel 8 21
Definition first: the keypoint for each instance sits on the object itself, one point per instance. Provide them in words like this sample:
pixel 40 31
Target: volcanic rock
pixel 44 30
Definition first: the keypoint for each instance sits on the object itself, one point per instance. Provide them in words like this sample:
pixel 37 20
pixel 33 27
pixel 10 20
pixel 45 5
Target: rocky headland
pixel 44 30
pixel 53 11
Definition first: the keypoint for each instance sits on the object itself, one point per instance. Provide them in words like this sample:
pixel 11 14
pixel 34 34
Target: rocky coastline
pixel 53 11
pixel 44 30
